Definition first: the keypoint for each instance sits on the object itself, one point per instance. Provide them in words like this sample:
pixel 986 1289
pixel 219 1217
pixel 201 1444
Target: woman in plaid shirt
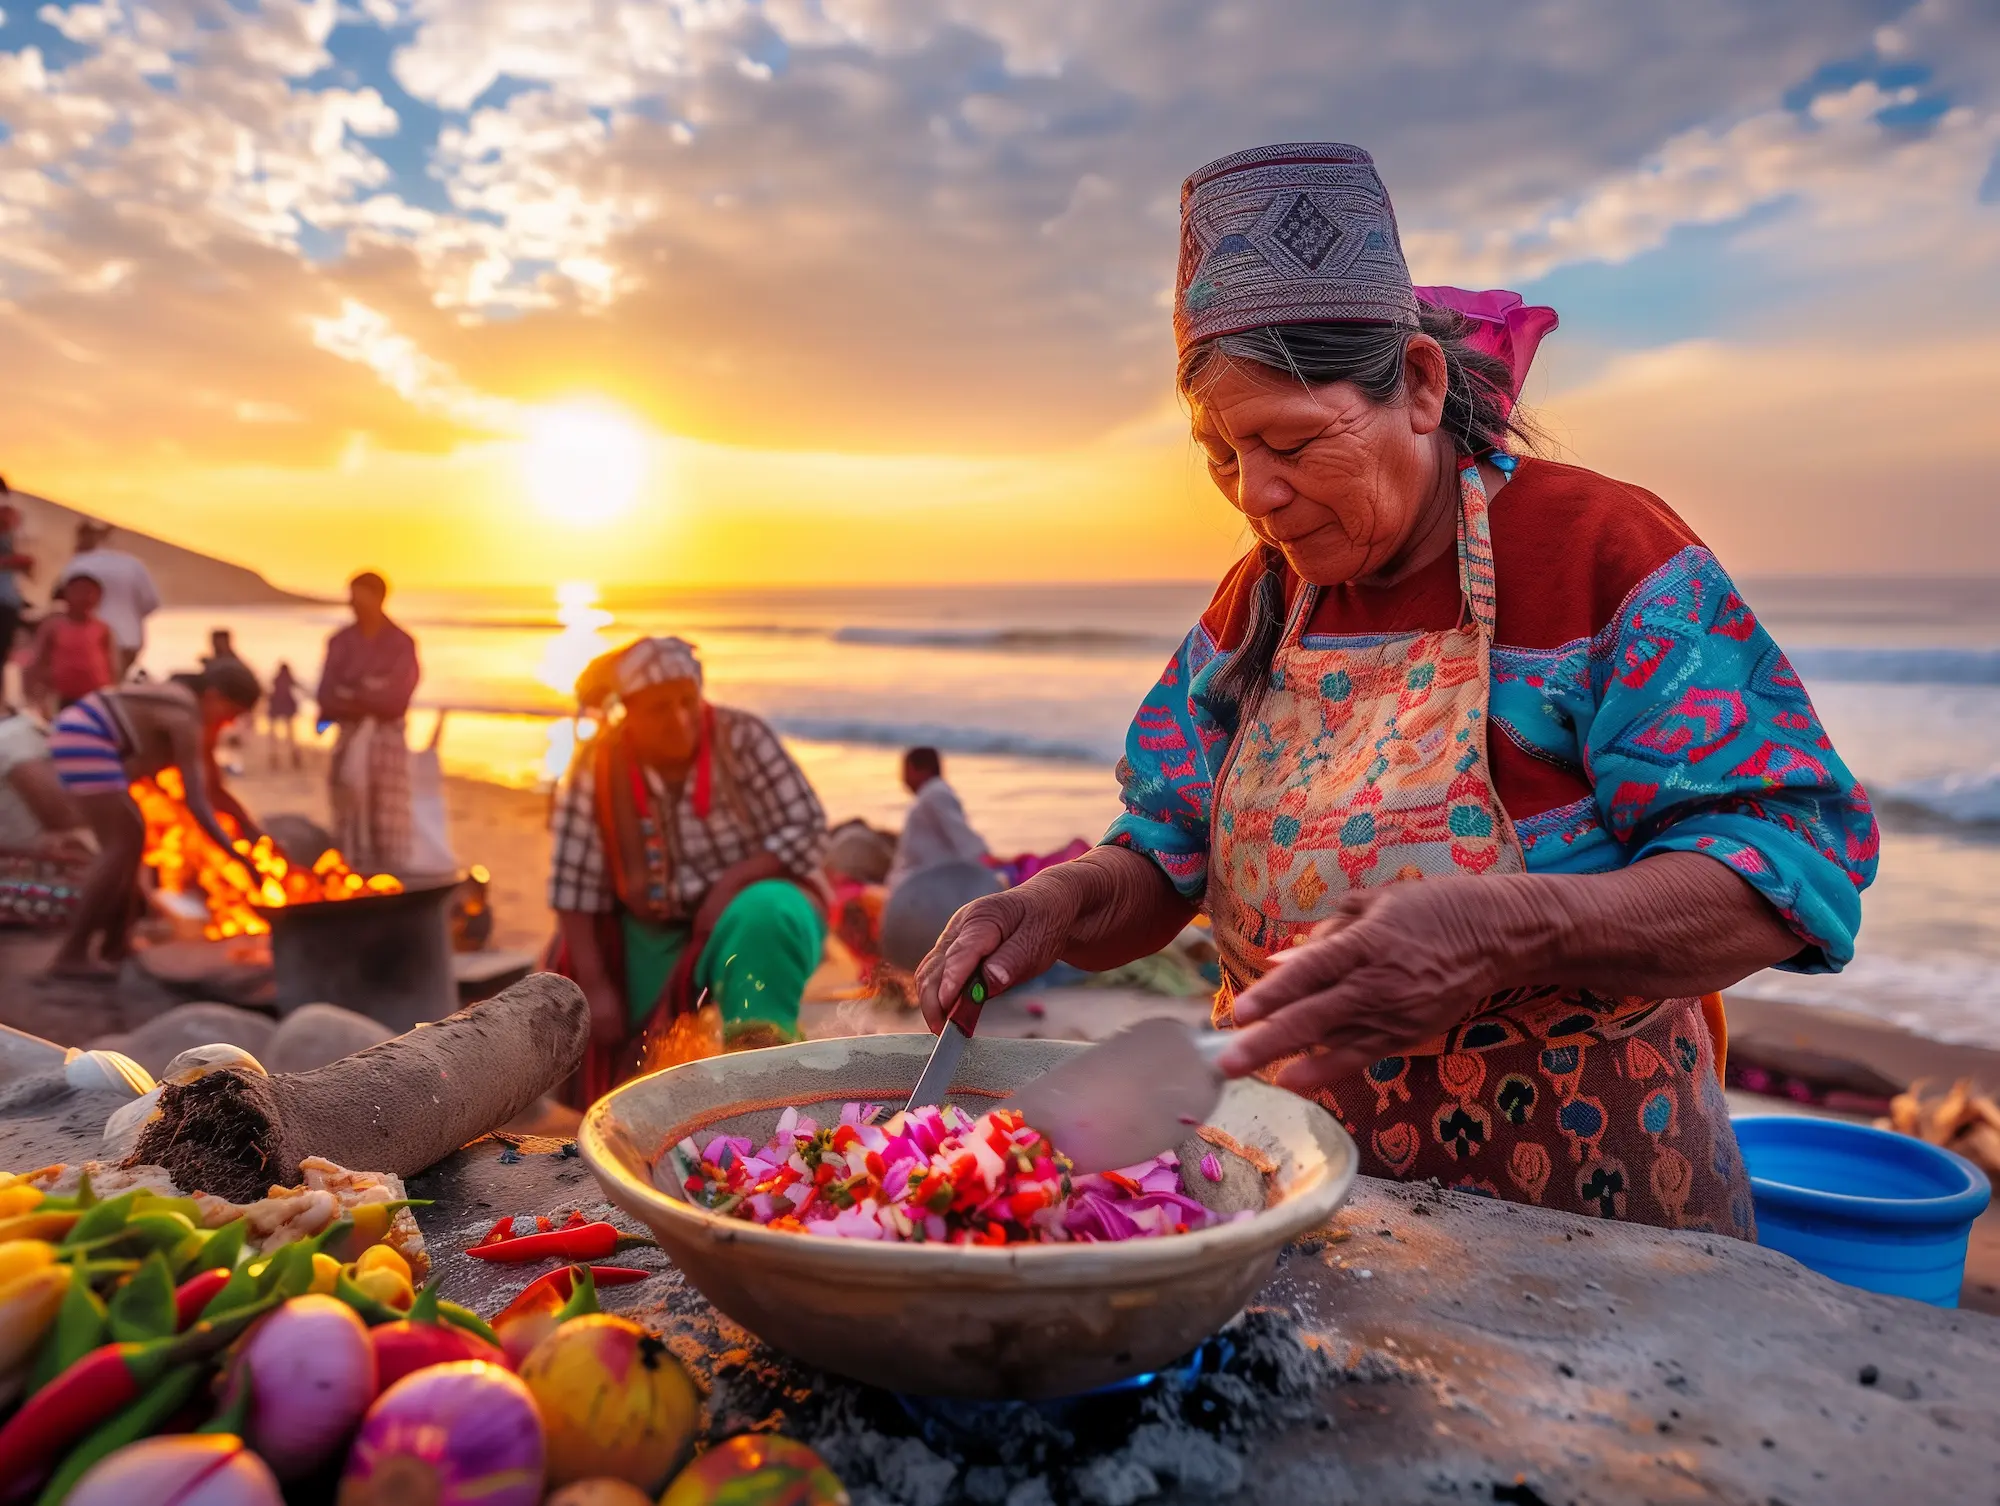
pixel 687 852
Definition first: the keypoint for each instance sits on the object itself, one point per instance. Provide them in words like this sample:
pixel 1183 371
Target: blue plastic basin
pixel 1863 1206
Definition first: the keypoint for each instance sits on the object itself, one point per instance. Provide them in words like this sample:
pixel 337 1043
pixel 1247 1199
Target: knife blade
pixel 951 1043
pixel 1129 1097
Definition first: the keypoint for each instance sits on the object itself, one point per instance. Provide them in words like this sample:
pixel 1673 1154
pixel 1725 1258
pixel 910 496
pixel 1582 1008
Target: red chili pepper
pixel 877 1167
pixel 196 1292
pixel 101 1383
pixel 845 1136
pixel 1119 1179
pixel 583 1242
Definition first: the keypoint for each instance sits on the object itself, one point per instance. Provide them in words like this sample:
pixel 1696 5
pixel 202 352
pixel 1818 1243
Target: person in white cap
pixel 687 853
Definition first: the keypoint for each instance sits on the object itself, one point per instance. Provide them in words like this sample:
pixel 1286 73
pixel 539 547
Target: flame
pixel 236 885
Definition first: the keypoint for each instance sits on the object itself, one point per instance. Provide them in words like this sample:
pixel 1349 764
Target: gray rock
pixel 856 850
pixel 986 1485
pixel 922 904
pixel 1116 1481
pixel 1033 1492
pixel 167 1035
pixel 314 1034
pixel 1195 1461
pixel 914 1475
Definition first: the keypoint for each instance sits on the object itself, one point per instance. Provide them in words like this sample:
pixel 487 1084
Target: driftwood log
pixel 397 1107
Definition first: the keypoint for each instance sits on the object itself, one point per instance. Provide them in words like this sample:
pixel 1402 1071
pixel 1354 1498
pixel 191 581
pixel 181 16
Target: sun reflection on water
pixel 581 640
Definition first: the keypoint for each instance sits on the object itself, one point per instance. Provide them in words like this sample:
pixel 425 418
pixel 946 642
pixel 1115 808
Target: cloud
pixel 911 225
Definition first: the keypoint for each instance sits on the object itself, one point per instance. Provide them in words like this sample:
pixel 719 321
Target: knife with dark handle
pixel 951 1044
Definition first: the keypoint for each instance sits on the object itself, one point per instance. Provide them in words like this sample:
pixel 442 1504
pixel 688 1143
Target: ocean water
pixel 1028 690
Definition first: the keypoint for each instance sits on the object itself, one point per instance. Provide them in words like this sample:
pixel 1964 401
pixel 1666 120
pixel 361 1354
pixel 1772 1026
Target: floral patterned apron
pixel 1364 762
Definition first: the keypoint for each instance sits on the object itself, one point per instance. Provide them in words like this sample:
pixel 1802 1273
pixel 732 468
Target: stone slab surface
pixel 1472 1351
pixel 1477 1342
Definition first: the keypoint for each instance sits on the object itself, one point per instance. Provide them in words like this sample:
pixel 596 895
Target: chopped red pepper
pixel 503 1228
pixel 1025 1204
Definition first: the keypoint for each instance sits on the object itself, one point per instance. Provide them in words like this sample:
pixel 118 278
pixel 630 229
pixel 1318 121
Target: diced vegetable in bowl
pixel 935 1175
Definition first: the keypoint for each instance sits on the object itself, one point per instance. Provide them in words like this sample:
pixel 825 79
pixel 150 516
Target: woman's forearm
pixel 1669 926
pixel 1124 905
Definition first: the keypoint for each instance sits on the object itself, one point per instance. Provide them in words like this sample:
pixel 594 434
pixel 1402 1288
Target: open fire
pixel 236 885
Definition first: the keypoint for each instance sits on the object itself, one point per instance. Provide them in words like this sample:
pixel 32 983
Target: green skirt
pixel 767 943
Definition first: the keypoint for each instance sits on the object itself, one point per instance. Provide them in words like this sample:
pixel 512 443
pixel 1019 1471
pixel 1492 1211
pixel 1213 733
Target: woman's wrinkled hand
pixel 1392 968
pixel 1015 935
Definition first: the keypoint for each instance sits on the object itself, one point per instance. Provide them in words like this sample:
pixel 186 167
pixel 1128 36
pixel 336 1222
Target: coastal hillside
pixel 185 577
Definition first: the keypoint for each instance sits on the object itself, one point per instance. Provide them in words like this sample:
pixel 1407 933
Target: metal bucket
pixel 1023 1322
pixel 387 956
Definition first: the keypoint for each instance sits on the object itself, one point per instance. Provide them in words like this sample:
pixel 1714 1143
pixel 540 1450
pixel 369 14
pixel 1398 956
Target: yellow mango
pixel 326 1271
pixel 18 1199
pixel 20 1256
pixel 28 1306
pixel 385 1258
pixel 386 1287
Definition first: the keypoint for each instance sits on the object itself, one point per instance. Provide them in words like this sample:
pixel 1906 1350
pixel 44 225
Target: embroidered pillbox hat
pixel 1301 233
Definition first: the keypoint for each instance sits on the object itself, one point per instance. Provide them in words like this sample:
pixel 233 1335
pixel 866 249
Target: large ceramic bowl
pixel 1028 1322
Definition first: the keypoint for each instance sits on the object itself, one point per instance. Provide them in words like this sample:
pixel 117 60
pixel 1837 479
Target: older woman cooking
pixel 1525 684
pixel 687 847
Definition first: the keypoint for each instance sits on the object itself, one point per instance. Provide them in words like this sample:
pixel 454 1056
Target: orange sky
pixel 857 292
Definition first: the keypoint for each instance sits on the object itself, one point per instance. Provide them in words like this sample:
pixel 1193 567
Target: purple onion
pixel 452 1435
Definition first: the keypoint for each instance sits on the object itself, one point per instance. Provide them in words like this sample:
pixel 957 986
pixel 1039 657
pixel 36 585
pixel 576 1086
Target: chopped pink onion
pixel 933 1175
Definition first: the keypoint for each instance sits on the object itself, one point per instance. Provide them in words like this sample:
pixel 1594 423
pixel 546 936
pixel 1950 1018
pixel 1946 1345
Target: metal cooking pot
pixel 1022 1322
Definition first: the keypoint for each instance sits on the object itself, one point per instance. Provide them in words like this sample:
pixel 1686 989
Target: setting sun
pixel 584 462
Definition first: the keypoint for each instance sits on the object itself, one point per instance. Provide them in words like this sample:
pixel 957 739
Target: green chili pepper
pixel 103 1219
pixel 139 1419
pixel 470 1321
pixel 368 1225
pixel 181 1258
pixel 373 1310
pixel 425 1308
pixel 79 1328
pixel 83 1197
pixel 234 1414
pixel 239 1289
pixel 224 1248
pixel 154 1202
pixel 582 1295
pixel 143 1308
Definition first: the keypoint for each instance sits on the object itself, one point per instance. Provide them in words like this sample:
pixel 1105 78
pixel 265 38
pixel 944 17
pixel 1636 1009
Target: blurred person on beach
pixel 13 565
pixel 221 645
pixel 281 713
pixel 45 851
pixel 99 747
pixel 130 596
pixel 365 688
pixel 686 863
pixel 935 831
pixel 74 651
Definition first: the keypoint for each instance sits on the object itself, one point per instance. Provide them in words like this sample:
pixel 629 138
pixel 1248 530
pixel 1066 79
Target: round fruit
pixel 614 1402
pixel 757 1469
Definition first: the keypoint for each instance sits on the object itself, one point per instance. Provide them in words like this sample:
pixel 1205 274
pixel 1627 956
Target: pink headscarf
pixel 1502 325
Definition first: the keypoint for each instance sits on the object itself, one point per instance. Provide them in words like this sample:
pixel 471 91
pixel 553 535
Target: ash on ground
pixel 1186 1437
